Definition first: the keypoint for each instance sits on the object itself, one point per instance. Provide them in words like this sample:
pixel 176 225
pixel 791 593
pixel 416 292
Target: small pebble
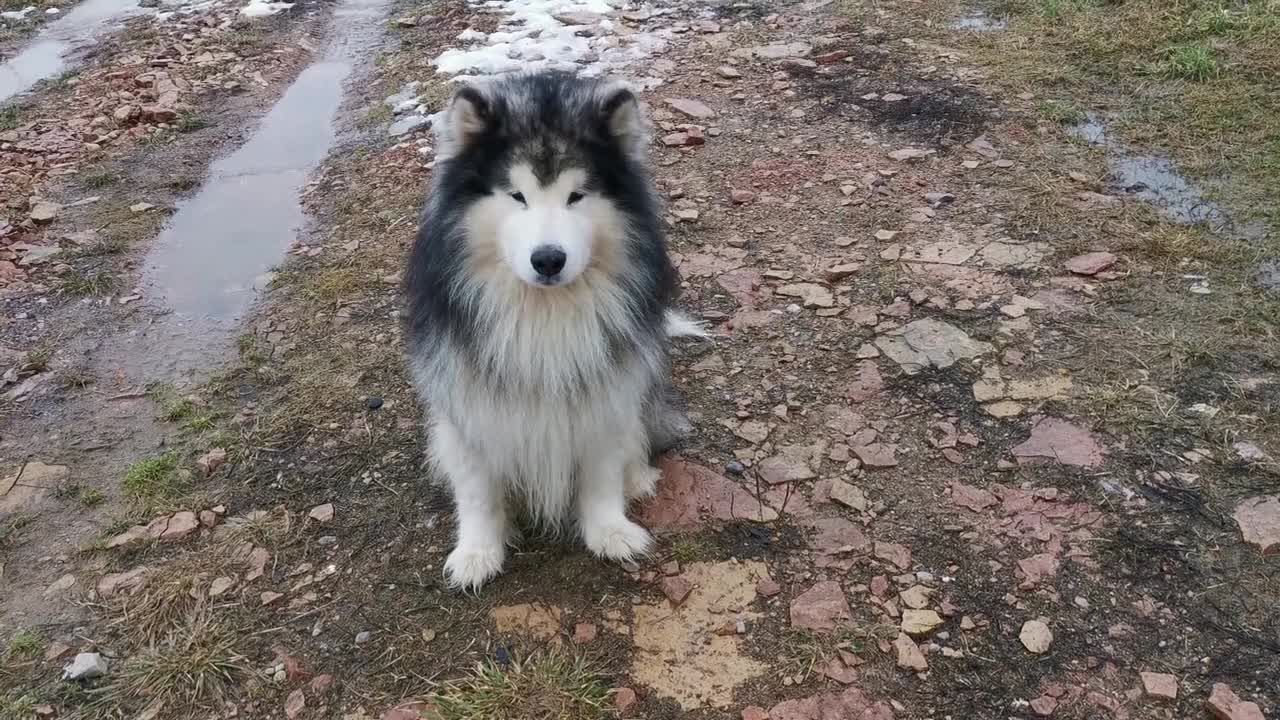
pixel 373 402
pixel 733 467
pixel 363 637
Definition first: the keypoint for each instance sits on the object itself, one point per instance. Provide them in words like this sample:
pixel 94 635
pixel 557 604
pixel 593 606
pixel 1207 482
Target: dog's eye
pixel 518 197
pixel 574 197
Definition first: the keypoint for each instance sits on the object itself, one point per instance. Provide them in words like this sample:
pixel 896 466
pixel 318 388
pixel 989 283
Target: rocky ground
pixel 988 428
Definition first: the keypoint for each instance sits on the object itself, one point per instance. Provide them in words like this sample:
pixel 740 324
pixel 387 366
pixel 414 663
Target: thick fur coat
pixel 539 315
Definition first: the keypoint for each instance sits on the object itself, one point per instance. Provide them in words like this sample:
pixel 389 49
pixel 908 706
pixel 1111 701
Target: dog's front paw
pixel 642 481
pixel 620 540
pixel 470 567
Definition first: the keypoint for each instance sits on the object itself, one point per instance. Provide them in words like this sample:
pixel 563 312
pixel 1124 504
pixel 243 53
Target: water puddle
pixel 206 267
pixel 1157 181
pixel 978 20
pixel 47 55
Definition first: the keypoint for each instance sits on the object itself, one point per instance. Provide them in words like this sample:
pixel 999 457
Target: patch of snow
pixel 263 8
pixel 532 38
pixel 18 15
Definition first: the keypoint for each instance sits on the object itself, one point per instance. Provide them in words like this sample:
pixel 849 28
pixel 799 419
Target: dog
pixel 540 316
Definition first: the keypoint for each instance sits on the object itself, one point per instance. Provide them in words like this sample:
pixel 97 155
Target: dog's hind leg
pixel 484 526
pixel 641 480
pixel 602 503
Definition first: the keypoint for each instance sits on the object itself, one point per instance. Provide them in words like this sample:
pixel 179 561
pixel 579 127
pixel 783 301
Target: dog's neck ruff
pixel 562 341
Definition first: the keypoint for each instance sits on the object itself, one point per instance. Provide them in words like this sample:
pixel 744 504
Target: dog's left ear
pixel 624 121
pixel 469 114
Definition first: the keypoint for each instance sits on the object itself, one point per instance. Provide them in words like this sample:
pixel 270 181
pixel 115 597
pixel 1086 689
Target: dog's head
pixel 547 168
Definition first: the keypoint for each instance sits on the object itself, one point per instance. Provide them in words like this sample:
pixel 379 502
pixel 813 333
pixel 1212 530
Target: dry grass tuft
pixel 549 686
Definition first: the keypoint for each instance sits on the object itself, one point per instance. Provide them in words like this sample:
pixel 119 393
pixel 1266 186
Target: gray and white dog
pixel 540 315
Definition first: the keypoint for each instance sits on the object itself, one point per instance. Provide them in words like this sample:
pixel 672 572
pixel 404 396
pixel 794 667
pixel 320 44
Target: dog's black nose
pixel 547 260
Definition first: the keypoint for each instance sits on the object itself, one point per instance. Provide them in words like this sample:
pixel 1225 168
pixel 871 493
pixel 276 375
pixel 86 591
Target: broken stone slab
pixel 692 108
pixel 775 51
pixel 821 608
pixel 851 703
pixel 1159 686
pixel 43 213
pixel 1053 439
pixel 811 295
pixel 926 343
pixel 1225 704
pixel 920 623
pixel 944 253
pixel 1259 522
pixel 909 655
pixel 1036 637
pixel 793 463
pixel 688 493
pixel 1091 263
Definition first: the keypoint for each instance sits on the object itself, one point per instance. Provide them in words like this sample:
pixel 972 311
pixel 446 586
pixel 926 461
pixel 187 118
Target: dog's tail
pixel 677 324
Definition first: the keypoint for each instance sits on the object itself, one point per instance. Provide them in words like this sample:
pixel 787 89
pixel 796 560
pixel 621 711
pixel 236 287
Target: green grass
pixel 1192 61
pixel 99 179
pixel 194 666
pixel 551 685
pixel 102 248
pixel 1063 113
pixel 86 495
pixel 13 527
pixel 10 117
pixel 189 122
pixel 379 114
pixel 24 646
pixel 153 479
pixel 17 707
pixel 89 284
pixel 1191 79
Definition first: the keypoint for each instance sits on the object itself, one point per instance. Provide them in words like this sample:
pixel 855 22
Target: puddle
pixel 979 21
pixel 1157 181
pixel 214 254
pixel 47 55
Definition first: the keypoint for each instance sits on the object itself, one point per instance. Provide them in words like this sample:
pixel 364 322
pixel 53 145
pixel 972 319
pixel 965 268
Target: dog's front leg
pixel 481 508
pixel 602 506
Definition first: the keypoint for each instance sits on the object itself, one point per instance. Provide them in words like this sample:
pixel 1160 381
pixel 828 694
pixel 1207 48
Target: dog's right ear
pixel 625 121
pixel 468 116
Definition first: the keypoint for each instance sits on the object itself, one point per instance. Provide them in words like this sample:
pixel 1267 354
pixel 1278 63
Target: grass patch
pixel 541 687
pixel 17 707
pixel 86 495
pixel 1063 113
pixel 191 669
pixel 1192 61
pixel 99 179
pixel 102 248
pixel 10 117
pixel 13 527
pixel 75 378
pixel 189 122
pixel 89 284
pixel 154 479
pixel 379 114
pixel 24 646
pixel 1191 79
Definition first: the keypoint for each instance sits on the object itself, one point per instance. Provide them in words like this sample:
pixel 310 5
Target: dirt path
pixel 988 427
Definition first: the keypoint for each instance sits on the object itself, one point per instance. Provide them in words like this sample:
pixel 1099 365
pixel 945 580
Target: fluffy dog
pixel 539 316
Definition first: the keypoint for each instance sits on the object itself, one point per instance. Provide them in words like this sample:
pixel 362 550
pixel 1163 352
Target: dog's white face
pixel 546 234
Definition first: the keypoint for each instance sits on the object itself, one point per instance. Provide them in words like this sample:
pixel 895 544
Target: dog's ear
pixel 469 115
pixel 624 121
